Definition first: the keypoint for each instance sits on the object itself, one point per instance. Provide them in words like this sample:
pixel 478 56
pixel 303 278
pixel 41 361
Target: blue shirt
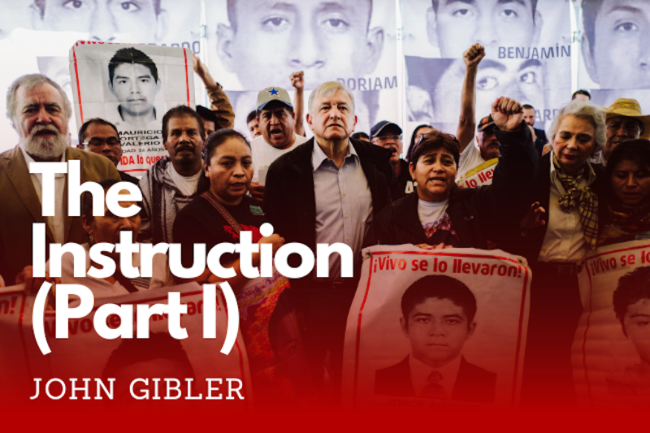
pixel 343 203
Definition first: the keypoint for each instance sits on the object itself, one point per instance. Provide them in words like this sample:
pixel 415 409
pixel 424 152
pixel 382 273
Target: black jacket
pixel 540 141
pixel 289 198
pixel 530 244
pixel 473 383
pixel 477 214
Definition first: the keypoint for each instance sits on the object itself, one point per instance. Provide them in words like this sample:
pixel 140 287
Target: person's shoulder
pixel 257 142
pixel 364 148
pixel 155 171
pixel 7 155
pixel 400 204
pixel 300 139
pixel 297 155
pixel 197 206
pixel 393 370
pixel 476 372
pixel 126 177
pixel 10 153
pixel 87 157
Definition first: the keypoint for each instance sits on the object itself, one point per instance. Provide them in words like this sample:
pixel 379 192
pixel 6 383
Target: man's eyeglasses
pixel 388 137
pixel 631 126
pixel 97 142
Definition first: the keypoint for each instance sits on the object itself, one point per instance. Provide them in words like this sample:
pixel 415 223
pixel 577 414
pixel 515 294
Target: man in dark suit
pixel 438 318
pixel 39 111
pixel 539 136
pixel 327 191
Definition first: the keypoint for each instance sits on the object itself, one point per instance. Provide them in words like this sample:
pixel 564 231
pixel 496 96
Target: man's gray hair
pixel 329 88
pixel 29 82
pixel 583 110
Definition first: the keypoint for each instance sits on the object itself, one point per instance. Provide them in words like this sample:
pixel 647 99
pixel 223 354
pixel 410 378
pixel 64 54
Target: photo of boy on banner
pixel 439 328
pixel 438 318
pixel 131 86
pixel 611 348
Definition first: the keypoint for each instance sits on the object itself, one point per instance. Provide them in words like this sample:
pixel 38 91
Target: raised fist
pixel 474 55
pixel 298 80
pixel 507 114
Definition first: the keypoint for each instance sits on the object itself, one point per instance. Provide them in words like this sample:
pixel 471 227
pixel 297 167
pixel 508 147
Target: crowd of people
pixel 553 196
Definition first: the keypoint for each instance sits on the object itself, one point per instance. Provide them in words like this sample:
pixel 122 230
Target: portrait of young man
pixel 454 25
pixel 134 81
pixel 438 319
pixel 632 309
pixel 614 46
pixel 435 84
pixel 327 39
pixel 134 21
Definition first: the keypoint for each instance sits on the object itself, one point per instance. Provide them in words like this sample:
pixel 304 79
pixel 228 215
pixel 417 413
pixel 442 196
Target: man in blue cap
pixel 389 136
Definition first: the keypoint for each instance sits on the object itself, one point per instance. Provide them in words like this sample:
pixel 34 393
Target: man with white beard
pixel 39 112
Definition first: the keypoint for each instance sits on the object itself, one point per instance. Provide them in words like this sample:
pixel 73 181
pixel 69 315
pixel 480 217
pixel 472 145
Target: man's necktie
pixel 433 389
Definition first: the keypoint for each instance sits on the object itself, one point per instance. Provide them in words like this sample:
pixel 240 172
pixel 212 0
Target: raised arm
pixel 298 83
pixel 509 196
pixel 467 121
pixel 219 101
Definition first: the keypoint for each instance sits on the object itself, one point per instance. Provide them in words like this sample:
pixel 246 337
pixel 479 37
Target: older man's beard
pixel 44 147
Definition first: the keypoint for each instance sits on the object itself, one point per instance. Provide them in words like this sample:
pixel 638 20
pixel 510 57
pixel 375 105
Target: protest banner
pixel 479 175
pixel 611 349
pixel 443 328
pixel 132 86
pixel 86 354
pixel 18 360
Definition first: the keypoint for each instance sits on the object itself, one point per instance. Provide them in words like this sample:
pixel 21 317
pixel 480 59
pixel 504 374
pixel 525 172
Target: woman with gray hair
pixel 560 228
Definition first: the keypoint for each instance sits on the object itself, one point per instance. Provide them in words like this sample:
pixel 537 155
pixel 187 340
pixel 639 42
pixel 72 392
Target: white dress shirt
pixel 57 222
pixel 420 373
pixel 343 203
pixel 564 240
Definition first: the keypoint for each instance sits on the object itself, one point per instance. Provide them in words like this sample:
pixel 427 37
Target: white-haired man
pixel 327 191
pixel 39 111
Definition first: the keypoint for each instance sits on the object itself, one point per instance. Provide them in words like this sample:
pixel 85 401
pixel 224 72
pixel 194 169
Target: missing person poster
pixel 37 34
pixel 528 57
pixel 614 60
pixel 441 328
pixel 255 44
pixel 131 86
pixel 611 350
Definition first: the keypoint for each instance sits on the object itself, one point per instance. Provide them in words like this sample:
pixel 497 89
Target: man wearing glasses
pixel 101 137
pixel 624 122
pixel 389 136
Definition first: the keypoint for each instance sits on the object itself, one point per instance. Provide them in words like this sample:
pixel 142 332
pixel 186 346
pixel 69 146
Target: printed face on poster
pixel 255 44
pixel 615 51
pixel 430 329
pixel 527 46
pixel 37 34
pixel 131 86
pixel 611 350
